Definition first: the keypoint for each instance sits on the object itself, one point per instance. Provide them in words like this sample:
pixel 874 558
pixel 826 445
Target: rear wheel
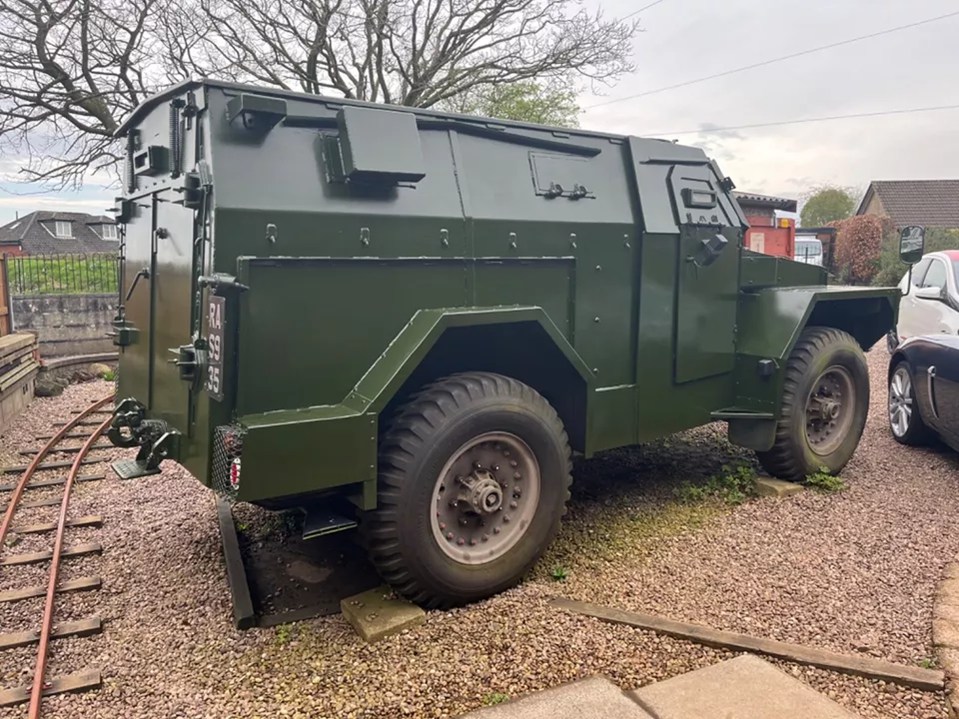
pixel 824 406
pixel 905 422
pixel 474 477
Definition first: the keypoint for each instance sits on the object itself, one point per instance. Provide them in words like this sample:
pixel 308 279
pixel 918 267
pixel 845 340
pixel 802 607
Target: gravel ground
pixel 853 572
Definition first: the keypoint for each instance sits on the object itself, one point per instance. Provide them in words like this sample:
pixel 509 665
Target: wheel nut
pixel 505 517
pixel 477 465
pixel 513 463
pixel 472 542
pixel 513 505
pixel 517 475
pixel 485 537
pixel 442 526
pixel 449 536
pixel 496 530
pixel 460 541
pixel 506 453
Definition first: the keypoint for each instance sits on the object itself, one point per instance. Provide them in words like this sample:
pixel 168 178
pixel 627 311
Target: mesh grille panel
pixel 227 446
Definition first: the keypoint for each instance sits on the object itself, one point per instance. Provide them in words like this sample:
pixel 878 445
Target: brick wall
pixel 66 324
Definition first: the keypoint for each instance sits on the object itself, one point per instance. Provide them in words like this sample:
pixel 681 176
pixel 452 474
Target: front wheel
pixel 474 478
pixel 824 406
pixel 905 422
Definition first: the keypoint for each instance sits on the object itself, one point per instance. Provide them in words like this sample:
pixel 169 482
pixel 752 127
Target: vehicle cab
pixel 808 251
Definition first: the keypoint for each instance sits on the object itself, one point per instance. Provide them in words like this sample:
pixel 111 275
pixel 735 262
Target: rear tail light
pixel 235 474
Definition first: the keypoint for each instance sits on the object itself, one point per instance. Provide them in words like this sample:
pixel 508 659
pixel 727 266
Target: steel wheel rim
pixel 830 408
pixel 900 402
pixel 484 498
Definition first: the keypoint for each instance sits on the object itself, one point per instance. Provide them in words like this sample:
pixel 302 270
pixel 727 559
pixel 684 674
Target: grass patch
pixel 284 634
pixel 495 698
pixel 927 663
pixel 822 481
pixel 559 573
pixel 109 375
pixel 734 485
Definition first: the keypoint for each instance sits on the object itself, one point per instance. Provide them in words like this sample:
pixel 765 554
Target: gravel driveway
pixel 852 572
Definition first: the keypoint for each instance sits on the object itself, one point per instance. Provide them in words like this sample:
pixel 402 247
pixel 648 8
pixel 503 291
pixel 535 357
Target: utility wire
pixel 645 7
pixel 808 119
pixel 774 60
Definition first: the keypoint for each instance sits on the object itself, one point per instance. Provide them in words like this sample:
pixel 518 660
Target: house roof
pixel 752 199
pixel 930 203
pixel 34 233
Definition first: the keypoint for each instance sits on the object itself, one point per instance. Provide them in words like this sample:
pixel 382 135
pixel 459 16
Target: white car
pixel 931 306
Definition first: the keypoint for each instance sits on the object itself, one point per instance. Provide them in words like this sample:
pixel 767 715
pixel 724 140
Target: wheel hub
pixel 829 410
pixel 485 498
pixel 484 494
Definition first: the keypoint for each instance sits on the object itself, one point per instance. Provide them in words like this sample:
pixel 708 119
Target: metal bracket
pixel 219 279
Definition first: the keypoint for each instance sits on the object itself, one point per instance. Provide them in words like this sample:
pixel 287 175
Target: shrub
pixel 859 242
pixel 891 269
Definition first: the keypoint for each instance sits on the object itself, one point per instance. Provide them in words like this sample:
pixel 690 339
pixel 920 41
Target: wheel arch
pixel 520 342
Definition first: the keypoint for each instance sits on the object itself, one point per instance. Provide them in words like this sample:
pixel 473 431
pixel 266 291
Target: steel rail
pixel 41 455
pixel 36 693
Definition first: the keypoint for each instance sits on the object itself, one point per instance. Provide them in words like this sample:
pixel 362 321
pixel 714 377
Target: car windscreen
pixel 808 247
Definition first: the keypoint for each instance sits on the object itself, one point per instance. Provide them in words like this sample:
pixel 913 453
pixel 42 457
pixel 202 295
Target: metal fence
pixel 63 274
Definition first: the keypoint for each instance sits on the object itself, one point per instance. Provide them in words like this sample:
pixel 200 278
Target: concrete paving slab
pixel 770 487
pixel 742 688
pixel 379 613
pixel 586 699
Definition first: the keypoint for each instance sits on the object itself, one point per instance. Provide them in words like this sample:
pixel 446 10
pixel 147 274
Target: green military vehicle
pixel 409 321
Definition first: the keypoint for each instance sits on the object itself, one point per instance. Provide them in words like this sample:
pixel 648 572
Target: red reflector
pixel 235 474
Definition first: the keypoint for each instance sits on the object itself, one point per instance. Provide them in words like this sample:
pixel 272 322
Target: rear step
pixel 133 468
pixel 319 522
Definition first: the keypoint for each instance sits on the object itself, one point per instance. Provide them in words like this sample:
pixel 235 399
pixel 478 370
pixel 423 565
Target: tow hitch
pixel 154 436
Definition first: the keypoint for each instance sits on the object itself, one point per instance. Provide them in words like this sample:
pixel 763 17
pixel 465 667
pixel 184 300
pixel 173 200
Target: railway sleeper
pixel 79 682
pixel 77 628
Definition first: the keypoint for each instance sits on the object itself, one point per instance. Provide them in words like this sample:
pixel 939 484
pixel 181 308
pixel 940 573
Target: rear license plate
pixel 214 373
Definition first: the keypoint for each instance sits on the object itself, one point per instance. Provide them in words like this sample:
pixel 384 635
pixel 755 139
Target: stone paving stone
pixel 593 698
pixel 770 487
pixel 379 613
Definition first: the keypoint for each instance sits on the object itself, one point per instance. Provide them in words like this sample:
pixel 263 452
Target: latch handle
pixel 145 273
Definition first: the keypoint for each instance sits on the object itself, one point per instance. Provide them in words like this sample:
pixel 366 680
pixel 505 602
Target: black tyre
pixel 824 406
pixel 905 420
pixel 474 477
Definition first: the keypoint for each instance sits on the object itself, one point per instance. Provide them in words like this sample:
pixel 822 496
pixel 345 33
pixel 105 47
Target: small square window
pixel 109 232
pixel 63 229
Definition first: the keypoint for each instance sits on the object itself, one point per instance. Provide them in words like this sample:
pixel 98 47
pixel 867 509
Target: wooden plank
pixel 81 423
pixel 93 520
pixel 73 585
pixel 74 550
pixel 244 616
pixel 917 677
pixel 20 469
pixel 9 379
pixel 67 683
pixel 48 502
pixel 55 482
pixel 78 628
pixel 68 450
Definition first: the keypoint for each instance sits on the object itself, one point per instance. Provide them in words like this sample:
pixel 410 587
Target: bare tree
pixel 412 52
pixel 70 70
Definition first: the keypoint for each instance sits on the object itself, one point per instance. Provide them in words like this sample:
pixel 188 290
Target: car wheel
pixel 474 478
pixel 824 406
pixel 905 421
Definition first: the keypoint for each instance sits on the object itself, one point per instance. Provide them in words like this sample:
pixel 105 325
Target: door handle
pixel 145 273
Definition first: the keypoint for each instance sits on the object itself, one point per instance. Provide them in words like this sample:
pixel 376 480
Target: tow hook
pixel 128 415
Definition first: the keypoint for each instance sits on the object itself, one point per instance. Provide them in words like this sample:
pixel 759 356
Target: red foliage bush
pixel 858 246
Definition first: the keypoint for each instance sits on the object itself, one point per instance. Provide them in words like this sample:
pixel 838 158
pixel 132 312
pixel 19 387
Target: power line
pixel 774 60
pixel 645 7
pixel 804 120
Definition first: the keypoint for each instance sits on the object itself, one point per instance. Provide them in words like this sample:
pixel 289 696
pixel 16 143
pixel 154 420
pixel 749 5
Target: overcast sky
pixel 687 39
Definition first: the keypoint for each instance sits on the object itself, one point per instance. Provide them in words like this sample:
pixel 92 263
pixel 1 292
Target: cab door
pixel 910 314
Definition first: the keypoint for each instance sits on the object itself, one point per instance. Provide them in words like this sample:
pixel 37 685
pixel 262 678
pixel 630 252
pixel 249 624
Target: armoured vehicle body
pixel 409 320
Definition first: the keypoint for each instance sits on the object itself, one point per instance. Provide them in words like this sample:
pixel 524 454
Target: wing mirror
pixel 912 242
pixel 929 293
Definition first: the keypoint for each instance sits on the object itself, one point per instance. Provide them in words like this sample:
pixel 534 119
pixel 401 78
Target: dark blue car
pixel 924 390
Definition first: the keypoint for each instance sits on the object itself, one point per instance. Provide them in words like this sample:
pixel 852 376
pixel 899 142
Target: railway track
pixel 88 425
